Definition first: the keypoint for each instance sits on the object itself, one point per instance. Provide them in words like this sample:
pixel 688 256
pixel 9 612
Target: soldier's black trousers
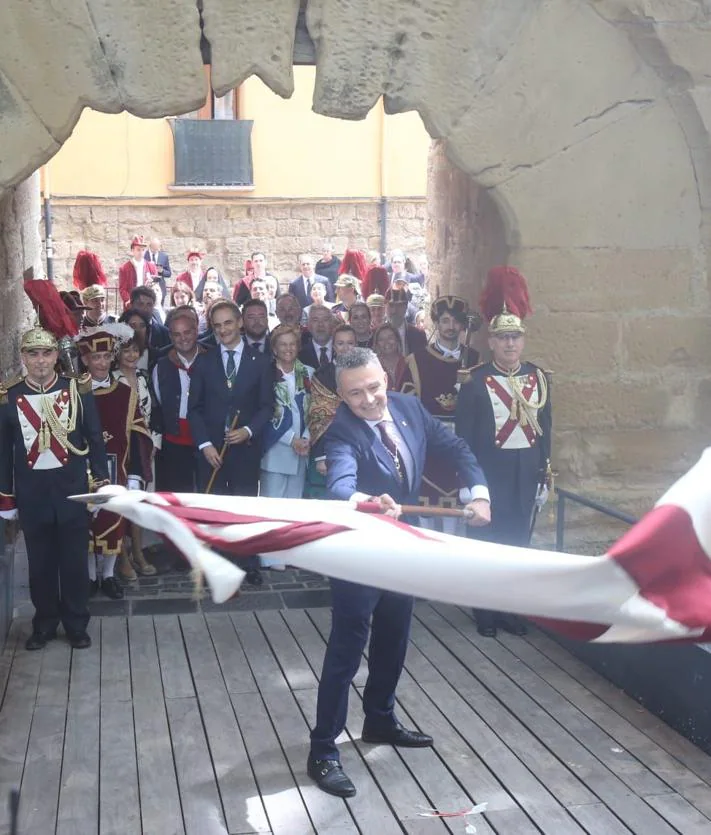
pixel 59 574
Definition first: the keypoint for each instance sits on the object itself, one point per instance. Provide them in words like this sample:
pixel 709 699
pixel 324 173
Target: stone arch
pixel 586 122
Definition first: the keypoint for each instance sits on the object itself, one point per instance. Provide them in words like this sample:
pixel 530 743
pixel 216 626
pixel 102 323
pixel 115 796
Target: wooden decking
pixel 198 724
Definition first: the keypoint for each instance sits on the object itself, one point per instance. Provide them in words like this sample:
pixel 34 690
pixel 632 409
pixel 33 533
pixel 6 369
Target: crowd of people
pixel 328 389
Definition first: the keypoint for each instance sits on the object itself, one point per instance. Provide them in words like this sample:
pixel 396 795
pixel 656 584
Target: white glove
pixel 8 515
pixel 541 496
pixel 133 482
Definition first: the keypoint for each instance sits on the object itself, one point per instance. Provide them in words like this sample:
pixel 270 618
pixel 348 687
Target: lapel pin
pixel 404 423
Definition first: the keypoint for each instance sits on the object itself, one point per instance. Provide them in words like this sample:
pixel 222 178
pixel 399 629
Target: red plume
pixel 376 280
pixel 353 263
pixel 88 270
pixel 53 314
pixel 505 285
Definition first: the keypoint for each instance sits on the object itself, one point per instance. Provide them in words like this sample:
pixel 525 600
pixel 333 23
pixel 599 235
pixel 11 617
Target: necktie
pixel 391 445
pixel 323 358
pixel 230 369
pixel 259 346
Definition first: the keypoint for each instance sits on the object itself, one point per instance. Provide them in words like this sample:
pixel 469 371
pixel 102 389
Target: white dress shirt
pixel 141 272
pixel 184 377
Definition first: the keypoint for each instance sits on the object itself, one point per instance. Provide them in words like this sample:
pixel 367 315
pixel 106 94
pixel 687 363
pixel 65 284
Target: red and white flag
pixel 654 584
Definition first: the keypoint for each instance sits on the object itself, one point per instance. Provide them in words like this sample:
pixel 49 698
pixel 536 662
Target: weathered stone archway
pixel 586 122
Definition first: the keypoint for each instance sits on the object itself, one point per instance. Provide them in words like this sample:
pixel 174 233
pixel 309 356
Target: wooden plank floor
pixel 198 725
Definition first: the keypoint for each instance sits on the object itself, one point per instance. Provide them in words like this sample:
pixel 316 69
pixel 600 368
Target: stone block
pixel 607 404
pixel 302 211
pixel 590 194
pixel 602 280
pixel 582 343
pixel 323 211
pixel 287 228
pixel 660 341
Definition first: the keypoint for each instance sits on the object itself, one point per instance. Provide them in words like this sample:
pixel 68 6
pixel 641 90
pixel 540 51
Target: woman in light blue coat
pixel 286 436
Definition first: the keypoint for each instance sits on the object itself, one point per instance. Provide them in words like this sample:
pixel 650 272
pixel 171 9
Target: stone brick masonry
pixel 228 230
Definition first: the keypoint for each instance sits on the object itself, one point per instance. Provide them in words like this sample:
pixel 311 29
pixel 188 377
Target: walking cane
pixel 223 452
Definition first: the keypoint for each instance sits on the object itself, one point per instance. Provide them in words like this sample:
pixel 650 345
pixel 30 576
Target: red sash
pixel 505 432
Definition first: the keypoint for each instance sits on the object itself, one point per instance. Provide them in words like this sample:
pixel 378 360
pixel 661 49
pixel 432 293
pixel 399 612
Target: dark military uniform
pixel 506 420
pixel 49 441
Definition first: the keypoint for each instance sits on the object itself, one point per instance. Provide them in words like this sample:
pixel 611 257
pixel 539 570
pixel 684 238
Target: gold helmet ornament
pixel 504 301
pixel 53 321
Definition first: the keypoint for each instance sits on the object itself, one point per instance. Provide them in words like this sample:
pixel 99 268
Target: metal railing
pixel 567 495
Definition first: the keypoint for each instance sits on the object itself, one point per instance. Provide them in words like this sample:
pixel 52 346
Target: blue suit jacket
pixel 211 403
pixel 162 260
pixel 358 461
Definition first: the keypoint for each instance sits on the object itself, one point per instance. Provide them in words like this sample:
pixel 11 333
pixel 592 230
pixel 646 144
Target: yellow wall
pixel 296 152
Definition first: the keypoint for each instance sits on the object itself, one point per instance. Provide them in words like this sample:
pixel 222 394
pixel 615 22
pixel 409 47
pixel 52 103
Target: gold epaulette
pixel 7 385
pixel 84 383
pixel 464 375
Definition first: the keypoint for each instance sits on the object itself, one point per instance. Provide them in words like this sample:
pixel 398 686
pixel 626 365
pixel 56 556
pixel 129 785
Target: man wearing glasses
pixel 504 414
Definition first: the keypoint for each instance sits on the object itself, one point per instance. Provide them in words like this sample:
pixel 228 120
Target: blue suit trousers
pixel 355 609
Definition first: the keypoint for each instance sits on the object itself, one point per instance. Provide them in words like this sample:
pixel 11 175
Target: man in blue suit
pixel 375 448
pixel 231 400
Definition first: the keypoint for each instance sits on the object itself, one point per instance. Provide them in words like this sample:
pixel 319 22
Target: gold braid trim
pixel 51 425
pixel 522 411
pixel 322 409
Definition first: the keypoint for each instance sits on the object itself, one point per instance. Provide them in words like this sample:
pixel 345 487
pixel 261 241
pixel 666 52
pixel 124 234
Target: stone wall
pixel 19 249
pixel 228 230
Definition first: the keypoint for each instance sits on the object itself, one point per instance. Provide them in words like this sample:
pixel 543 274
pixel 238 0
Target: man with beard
pixel 504 414
pixel 288 310
pixel 434 369
pixel 255 326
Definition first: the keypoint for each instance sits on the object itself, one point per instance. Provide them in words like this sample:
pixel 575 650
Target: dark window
pixel 210 152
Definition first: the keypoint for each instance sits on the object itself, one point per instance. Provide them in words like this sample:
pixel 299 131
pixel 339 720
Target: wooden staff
pixel 223 452
pixel 420 510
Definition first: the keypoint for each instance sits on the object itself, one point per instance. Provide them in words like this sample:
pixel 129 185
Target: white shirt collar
pixel 386 416
pixel 448 352
pixel 101 384
pixel 237 349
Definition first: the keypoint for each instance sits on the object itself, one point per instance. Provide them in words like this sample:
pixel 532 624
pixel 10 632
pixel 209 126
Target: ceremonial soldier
pixel 50 440
pixel 128 443
pixel 435 370
pixel 504 414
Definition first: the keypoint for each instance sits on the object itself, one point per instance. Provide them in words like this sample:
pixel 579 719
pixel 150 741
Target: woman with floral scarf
pixel 286 436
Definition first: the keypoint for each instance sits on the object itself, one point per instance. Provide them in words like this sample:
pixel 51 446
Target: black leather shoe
pixel 38 640
pixel 330 777
pixel 485 623
pixel 254 577
pixel 512 624
pixel 79 640
pixel 398 736
pixel 111 588
pixel 93 588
